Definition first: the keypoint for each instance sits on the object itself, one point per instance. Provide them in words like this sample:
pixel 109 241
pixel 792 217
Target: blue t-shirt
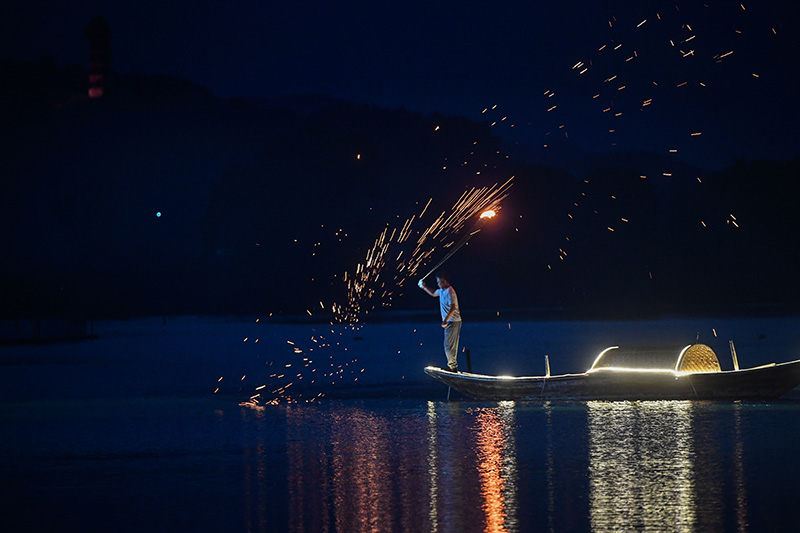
pixel 446 297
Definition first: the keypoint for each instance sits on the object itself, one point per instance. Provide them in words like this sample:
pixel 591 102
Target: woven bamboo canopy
pixel 691 358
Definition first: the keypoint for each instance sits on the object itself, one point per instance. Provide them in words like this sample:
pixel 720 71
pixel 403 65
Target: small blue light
pixel 158 214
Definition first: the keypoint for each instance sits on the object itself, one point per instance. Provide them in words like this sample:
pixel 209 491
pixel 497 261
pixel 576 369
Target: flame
pixel 487 214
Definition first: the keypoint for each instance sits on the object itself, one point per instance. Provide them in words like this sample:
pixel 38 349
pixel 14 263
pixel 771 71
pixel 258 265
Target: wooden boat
pixel 692 372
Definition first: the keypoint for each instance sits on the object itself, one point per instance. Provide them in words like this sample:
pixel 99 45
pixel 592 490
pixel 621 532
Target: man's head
pixel 443 280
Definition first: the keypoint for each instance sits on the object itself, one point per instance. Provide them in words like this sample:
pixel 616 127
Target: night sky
pixel 464 57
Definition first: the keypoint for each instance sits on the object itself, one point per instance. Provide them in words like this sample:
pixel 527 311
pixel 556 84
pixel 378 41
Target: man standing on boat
pixel 451 316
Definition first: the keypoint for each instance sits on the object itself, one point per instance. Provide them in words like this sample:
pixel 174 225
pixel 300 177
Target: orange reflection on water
pixel 490 466
pixel 352 469
pixel 362 468
pixel 348 471
pixel 497 467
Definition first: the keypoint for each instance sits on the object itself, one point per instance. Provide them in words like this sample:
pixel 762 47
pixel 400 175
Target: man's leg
pixel 452 333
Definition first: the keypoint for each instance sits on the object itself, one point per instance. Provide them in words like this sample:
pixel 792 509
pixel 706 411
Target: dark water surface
pixel 199 463
pixel 125 433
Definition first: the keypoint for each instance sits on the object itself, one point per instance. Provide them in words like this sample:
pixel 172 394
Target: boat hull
pixel 766 382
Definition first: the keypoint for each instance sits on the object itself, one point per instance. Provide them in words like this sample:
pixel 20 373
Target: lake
pixel 127 433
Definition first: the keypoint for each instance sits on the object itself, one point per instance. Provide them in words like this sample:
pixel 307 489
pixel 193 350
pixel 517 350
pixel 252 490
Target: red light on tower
pixel 99 35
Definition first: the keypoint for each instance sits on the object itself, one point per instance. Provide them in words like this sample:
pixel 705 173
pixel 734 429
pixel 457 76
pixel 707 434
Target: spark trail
pixel 399 253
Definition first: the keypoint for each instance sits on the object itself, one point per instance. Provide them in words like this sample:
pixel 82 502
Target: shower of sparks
pixel 716 44
pixel 299 372
pixel 615 77
pixel 377 280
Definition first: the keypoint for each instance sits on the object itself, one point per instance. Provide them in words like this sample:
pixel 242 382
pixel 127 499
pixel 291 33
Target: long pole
pixel 473 230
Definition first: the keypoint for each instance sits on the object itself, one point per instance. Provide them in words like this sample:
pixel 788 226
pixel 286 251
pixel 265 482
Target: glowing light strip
pixel 646 370
pixel 758 367
pixel 680 357
pixel 601 355
pixel 484 377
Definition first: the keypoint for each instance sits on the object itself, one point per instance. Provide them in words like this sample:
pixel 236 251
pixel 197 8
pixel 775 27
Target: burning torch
pixel 485 216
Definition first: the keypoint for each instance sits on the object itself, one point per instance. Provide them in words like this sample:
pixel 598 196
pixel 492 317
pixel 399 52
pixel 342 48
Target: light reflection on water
pixel 388 465
pixel 459 467
pixel 444 468
pixel 641 465
pixel 740 488
pixel 654 465
pixel 433 471
pixel 497 466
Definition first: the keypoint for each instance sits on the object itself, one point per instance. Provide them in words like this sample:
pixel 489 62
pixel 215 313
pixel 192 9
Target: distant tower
pixel 99 35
